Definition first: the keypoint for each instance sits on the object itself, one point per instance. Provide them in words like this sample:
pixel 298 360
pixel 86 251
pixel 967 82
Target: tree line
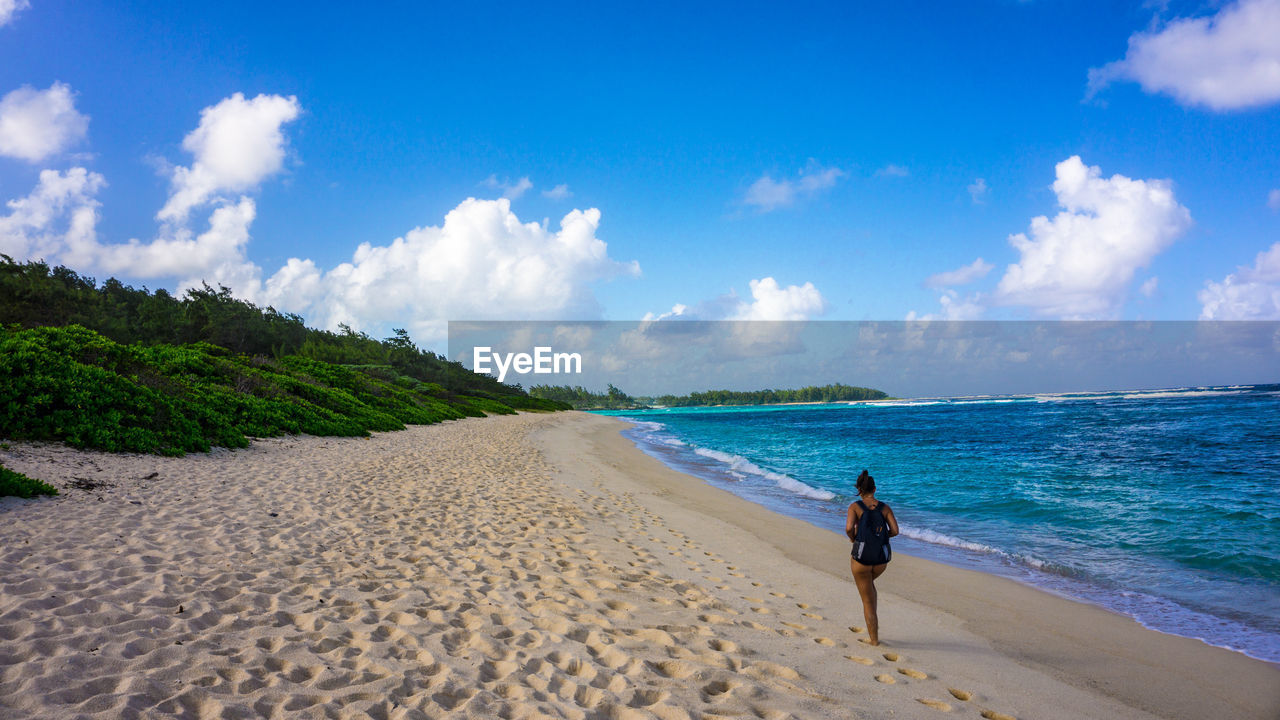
pixel 615 399
pixel 33 294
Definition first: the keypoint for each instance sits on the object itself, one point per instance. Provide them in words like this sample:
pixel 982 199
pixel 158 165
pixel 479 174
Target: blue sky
pixel 843 161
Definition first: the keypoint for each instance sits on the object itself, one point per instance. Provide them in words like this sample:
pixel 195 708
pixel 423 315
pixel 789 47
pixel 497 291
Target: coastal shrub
pixel 33 294
pixel 74 385
pixel 17 484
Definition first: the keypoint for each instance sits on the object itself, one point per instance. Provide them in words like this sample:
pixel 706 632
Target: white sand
pixel 520 567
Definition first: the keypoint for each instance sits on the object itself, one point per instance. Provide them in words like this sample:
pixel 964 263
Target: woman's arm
pixel 893 521
pixel 851 522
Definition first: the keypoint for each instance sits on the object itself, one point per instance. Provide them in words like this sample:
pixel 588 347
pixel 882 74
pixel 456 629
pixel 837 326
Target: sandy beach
pixel 522 567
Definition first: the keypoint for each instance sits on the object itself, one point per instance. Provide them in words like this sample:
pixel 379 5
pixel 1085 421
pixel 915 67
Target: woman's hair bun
pixel 865 483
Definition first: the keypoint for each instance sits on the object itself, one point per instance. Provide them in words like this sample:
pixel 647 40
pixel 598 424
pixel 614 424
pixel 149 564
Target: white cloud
pixel 1248 294
pixel 1148 287
pixel 767 194
pixel 962 275
pixel 892 170
pixel 238 144
pixel 1225 62
pixel 559 192
pixel 35 124
pixel 510 190
pixel 482 263
pixel 1273 199
pixel 10 8
pixel 676 311
pixel 978 191
pixel 57 219
pixel 1080 263
pixel 769 301
pixel 953 308
pixel 216 255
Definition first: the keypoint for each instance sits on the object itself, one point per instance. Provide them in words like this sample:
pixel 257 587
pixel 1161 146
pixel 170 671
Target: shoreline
pixel 951 555
pixel 524 567
pixel 1093 648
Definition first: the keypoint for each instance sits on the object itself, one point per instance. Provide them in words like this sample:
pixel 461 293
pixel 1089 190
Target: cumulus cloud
pixel 1080 263
pixel 216 255
pixel 892 170
pixel 962 275
pixel 559 192
pixel 56 221
pixel 1225 62
pixel 1250 293
pixel 769 301
pixel 510 190
pixel 1149 286
pixel 10 8
pixel 35 124
pixel 767 194
pixel 238 144
pixel 978 191
pixel 482 263
pixel 953 308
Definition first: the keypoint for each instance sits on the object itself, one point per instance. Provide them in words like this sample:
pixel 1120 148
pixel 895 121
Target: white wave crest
pixel 645 424
pixel 937 538
pixel 742 467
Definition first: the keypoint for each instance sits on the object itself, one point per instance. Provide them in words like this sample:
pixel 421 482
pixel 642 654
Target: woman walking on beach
pixel 869 526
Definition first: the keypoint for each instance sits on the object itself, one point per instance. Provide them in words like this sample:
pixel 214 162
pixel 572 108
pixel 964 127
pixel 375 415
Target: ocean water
pixel 1162 505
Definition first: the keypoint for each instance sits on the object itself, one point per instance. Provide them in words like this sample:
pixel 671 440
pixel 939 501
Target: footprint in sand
pixel 674 669
pixel 960 694
pixel 891 657
pixel 993 715
pixel 860 660
pixel 913 673
pixel 886 679
pixel 935 704
pixel 644 698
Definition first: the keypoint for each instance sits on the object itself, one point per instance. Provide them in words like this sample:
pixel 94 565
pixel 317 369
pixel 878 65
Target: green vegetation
pixel 34 295
pixel 15 483
pixel 811 394
pixel 582 399
pixel 75 386
pixel 615 399
pixel 125 370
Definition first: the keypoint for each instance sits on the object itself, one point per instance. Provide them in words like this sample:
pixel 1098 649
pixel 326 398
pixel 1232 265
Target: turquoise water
pixel 1163 505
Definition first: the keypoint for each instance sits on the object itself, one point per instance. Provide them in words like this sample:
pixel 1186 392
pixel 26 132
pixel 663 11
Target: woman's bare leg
pixel 864 577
